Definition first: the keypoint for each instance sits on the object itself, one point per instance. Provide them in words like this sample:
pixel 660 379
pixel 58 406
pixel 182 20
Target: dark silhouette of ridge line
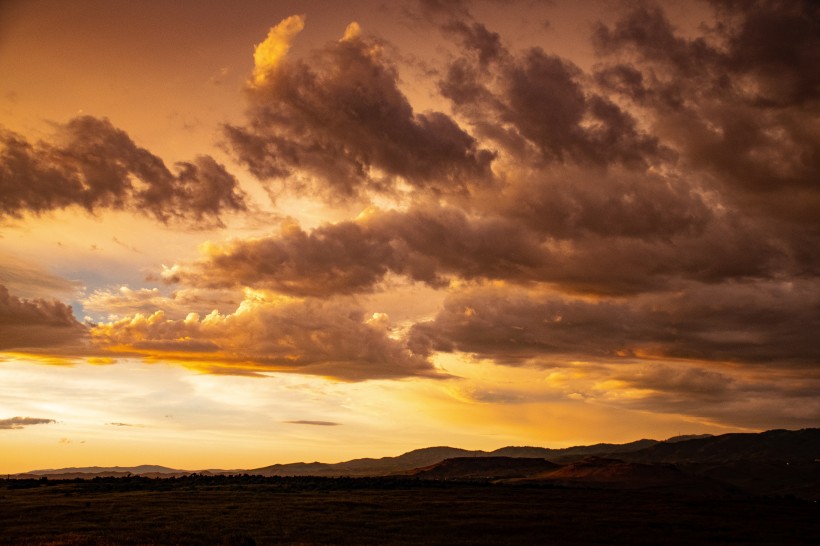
pixel 484 468
pixel 770 446
pixel 773 445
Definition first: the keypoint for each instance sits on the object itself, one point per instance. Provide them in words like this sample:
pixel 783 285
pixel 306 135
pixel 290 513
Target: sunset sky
pixel 234 234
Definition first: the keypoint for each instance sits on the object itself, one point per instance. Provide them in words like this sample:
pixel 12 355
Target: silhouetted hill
pixel 141 469
pixel 779 478
pixel 429 456
pixel 772 445
pixel 615 471
pixel 572 453
pixel 684 437
pixel 603 472
pixel 368 467
pixel 461 468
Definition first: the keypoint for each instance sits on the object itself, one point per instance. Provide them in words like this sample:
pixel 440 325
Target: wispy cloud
pixel 20 422
pixel 316 423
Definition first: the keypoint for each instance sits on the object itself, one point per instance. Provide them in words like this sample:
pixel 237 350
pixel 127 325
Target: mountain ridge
pixel 774 445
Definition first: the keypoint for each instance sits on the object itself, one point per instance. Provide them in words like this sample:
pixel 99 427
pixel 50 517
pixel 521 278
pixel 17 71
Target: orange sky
pixel 238 235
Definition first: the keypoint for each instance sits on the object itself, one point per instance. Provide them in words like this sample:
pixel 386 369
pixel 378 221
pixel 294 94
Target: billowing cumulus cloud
pixel 36 324
pixel 93 165
pixel 20 422
pixel 269 54
pixel 585 197
pixel 738 104
pixel 125 301
pixel 561 240
pixel 426 245
pixel 339 125
pixel 332 339
pixel 535 105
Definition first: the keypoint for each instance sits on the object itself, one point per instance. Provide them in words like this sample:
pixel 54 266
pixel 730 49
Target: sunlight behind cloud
pixel 269 54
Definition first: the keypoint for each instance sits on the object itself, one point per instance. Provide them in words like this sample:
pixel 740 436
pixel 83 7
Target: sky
pixel 247 233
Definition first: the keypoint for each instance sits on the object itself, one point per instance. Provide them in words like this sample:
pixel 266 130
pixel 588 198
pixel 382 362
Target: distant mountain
pixel 369 467
pixel 773 445
pixel 461 468
pixel 602 470
pixel 684 437
pixel 141 469
pixel 572 453
pixel 590 472
pixel 607 473
pixel 431 455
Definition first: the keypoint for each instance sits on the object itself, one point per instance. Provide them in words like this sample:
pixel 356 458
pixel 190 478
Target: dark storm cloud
pixel 731 396
pixel 339 258
pixel 20 422
pixel 572 203
pixel 341 120
pixel 585 199
pixel 738 104
pixel 94 165
pixel 535 101
pixel 751 323
pixel 426 245
pixel 36 324
pixel 566 244
pixel 478 38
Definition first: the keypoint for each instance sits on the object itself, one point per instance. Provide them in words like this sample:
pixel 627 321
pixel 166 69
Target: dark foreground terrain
pixel 272 510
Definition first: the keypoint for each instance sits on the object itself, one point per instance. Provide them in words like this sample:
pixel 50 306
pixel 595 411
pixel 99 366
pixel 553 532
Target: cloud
pixel 737 397
pixel 426 245
pixel 758 324
pixel 535 106
pixel 20 422
pixel 37 324
pixel 584 196
pixel 93 165
pixel 476 37
pixel 270 334
pixel 269 54
pixel 126 301
pixel 644 232
pixel 656 242
pixel 316 423
pixel 738 104
pixel 339 126
pixel 28 280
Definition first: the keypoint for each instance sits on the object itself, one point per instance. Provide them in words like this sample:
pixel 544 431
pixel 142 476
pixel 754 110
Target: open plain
pixel 247 510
